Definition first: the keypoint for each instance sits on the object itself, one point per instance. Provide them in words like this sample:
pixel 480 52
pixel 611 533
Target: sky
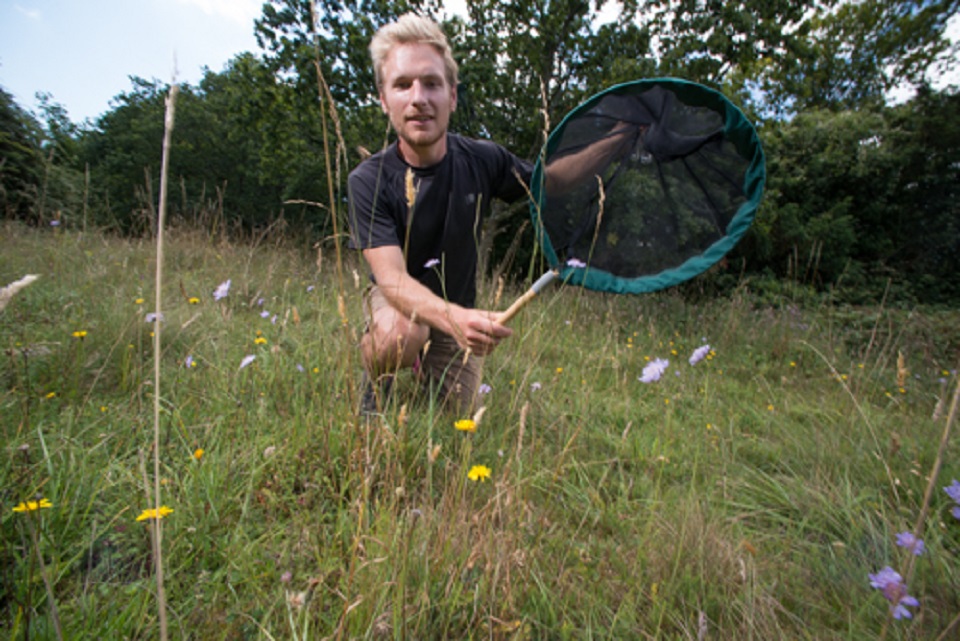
pixel 82 52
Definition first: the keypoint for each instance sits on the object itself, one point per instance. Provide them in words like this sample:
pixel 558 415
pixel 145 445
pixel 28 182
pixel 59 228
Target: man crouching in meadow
pixel 416 209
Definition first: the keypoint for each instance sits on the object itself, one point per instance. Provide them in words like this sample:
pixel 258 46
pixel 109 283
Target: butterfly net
pixel 645 185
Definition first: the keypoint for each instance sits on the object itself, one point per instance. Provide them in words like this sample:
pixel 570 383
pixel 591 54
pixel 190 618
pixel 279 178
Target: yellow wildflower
pixel 260 340
pixel 32 506
pixel 193 300
pixel 80 333
pixel 198 453
pixel 479 473
pixel 153 513
pixel 466 425
pixel 139 301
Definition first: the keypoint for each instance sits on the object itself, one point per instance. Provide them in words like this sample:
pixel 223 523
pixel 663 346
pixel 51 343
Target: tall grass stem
pixel 161 216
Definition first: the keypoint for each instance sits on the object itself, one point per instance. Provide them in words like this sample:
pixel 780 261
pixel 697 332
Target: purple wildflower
pixel 484 389
pixel 300 368
pixel 535 387
pixel 188 362
pixel 654 370
pixel 699 354
pixel 910 542
pixel 264 314
pixel 54 223
pixel 222 290
pixel 247 360
pixel 576 263
pixel 154 317
pixel 891 584
pixel 310 288
pixel 430 264
pixel 953 491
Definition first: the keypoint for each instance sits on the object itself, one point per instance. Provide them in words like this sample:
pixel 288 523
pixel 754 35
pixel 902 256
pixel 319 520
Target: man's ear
pixel 453 99
pixel 383 105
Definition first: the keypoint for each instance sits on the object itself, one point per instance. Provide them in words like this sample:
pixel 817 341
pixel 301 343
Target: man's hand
pixel 477 330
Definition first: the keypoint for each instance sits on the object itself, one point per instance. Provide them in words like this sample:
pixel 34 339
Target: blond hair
pixel 411 29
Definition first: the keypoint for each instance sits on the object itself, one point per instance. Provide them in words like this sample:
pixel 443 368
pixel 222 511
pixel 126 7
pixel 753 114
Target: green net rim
pixel 737 129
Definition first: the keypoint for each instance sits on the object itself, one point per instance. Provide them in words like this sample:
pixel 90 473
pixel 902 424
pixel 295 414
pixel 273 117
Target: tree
pixel 852 55
pixel 862 198
pixel 21 160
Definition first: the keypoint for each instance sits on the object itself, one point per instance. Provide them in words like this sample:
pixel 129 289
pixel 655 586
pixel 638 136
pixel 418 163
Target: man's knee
pixel 392 340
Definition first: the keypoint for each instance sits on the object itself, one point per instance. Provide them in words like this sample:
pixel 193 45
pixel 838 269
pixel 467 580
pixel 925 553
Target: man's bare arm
pixel 474 329
pixel 570 170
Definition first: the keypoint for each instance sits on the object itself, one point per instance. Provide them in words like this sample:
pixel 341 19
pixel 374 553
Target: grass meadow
pixel 748 496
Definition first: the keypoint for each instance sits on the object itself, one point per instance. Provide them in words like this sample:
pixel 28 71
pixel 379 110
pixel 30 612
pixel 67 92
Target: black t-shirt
pixel 452 198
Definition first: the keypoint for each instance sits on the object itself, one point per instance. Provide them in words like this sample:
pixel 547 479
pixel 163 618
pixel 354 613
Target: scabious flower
pixel 466 425
pixel 910 542
pixel 153 317
pixel 479 473
pixel 154 513
pixel 188 362
pixel 654 370
pixel 535 386
pixel 894 590
pixel 484 389
pixel 249 358
pixel 222 290
pixel 576 263
pixel 953 491
pixel 264 314
pixel 699 354
pixel 33 506
pixel 430 264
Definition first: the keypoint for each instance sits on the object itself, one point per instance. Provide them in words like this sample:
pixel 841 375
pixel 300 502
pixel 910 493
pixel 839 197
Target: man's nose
pixel 418 94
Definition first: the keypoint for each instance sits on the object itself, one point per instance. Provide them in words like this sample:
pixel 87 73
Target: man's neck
pixel 420 157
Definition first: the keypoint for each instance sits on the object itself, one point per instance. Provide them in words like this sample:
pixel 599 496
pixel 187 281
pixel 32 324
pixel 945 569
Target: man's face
pixel 417 98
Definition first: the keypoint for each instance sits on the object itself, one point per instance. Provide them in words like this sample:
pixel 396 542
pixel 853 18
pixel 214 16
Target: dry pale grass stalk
pixel 161 217
pixel 8 292
pixel 411 189
pixel 902 371
pixel 523 426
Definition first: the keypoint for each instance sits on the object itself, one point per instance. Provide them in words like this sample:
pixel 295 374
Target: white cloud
pixel 239 11
pixel 33 14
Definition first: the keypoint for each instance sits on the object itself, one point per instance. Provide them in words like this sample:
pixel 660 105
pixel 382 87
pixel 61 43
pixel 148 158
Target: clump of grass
pixel 746 496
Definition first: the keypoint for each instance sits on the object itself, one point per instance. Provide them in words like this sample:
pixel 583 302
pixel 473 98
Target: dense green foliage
pixel 861 194
pixel 21 165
